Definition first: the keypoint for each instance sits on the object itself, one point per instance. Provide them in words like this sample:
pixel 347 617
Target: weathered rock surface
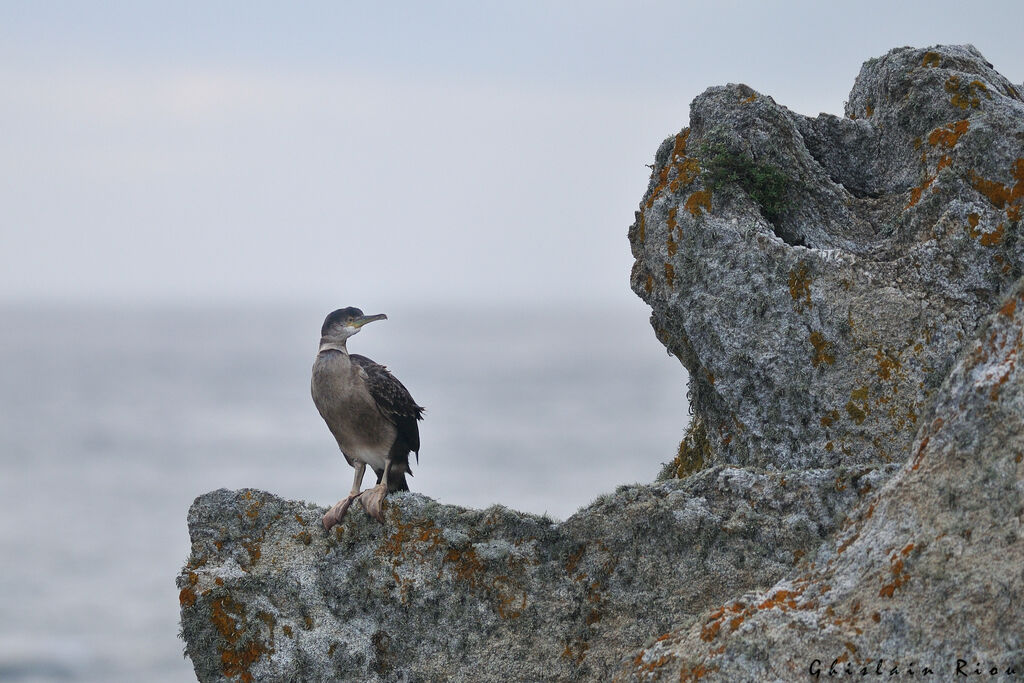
pixel 851 483
pixel 929 570
pixel 819 302
pixel 444 593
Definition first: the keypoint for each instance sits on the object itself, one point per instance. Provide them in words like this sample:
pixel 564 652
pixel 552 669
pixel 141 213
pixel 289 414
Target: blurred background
pixel 187 189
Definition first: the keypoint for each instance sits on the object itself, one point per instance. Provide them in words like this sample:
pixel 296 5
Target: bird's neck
pixel 327 344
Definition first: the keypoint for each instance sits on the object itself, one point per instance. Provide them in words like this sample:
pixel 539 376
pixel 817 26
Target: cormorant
pixel 369 412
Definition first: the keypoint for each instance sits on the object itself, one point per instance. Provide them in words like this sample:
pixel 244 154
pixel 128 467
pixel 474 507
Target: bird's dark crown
pixel 339 316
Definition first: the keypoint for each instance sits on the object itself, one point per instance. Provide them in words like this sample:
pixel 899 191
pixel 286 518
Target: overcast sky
pixel 373 152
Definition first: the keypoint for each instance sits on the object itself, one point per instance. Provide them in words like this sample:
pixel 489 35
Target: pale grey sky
pixel 374 152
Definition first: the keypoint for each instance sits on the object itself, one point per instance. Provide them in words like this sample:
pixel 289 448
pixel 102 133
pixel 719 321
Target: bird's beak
pixel 359 322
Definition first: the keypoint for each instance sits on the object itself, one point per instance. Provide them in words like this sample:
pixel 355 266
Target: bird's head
pixel 344 322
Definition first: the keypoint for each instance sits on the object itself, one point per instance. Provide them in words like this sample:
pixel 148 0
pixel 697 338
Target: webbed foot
pixel 337 513
pixel 372 501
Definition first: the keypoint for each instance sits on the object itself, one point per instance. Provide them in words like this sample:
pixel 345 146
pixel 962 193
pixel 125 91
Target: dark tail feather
pixel 396 480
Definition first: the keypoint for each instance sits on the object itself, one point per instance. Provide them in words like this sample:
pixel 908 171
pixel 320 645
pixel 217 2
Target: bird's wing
pixel 393 400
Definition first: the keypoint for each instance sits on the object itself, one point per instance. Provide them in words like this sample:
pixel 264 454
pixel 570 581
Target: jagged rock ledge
pixel 443 593
pixel 846 295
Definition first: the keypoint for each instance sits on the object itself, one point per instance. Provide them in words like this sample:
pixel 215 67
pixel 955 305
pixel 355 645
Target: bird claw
pixel 336 513
pixel 372 501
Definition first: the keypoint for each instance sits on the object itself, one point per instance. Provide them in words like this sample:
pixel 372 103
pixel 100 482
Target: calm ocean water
pixel 112 421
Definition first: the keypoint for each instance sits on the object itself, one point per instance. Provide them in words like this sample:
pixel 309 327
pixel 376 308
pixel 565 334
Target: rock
pixel 928 571
pixel 846 294
pixel 817 276
pixel 443 593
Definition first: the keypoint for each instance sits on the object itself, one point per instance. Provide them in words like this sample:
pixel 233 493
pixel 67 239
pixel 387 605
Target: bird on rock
pixel 370 413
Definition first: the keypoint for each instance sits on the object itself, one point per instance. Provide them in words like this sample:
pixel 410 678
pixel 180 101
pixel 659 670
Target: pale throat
pixel 328 345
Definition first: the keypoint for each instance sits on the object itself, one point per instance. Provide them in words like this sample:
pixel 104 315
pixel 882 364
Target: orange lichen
pixel 919 456
pixel 253 548
pixel 846 544
pixel 410 540
pixel 997 193
pixel 235 661
pixel 948 135
pixel 931 59
pixel 576 652
pixel 900 577
pixel 683 166
pixel 800 287
pixel 828 418
pixel 710 631
pixel 467 566
pixel 574 559
pixel 649 284
pixel 671 246
pixel 781 599
pixel 670 275
pixel 915 193
pixel 821 346
pixel 1009 307
pixel 688 170
pixel 856 413
pixel 992 239
pixel 1000 195
pixel 643 667
pixel 887 365
pixel 700 199
pixel 966 96
pixel 187 597
pixel 695 672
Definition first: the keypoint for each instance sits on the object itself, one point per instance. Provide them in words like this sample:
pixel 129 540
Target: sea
pixel 114 418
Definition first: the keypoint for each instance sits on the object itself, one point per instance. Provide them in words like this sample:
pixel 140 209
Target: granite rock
pixel 817 276
pixel 928 571
pixel 439 592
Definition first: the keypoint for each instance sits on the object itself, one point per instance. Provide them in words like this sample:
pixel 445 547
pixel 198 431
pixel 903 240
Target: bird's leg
pixel 372 499
pixel 336 513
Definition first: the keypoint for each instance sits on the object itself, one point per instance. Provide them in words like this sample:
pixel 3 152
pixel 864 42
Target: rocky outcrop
pixel 817 277
pixel 844 293
pixel 927 573
pixel 443 593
